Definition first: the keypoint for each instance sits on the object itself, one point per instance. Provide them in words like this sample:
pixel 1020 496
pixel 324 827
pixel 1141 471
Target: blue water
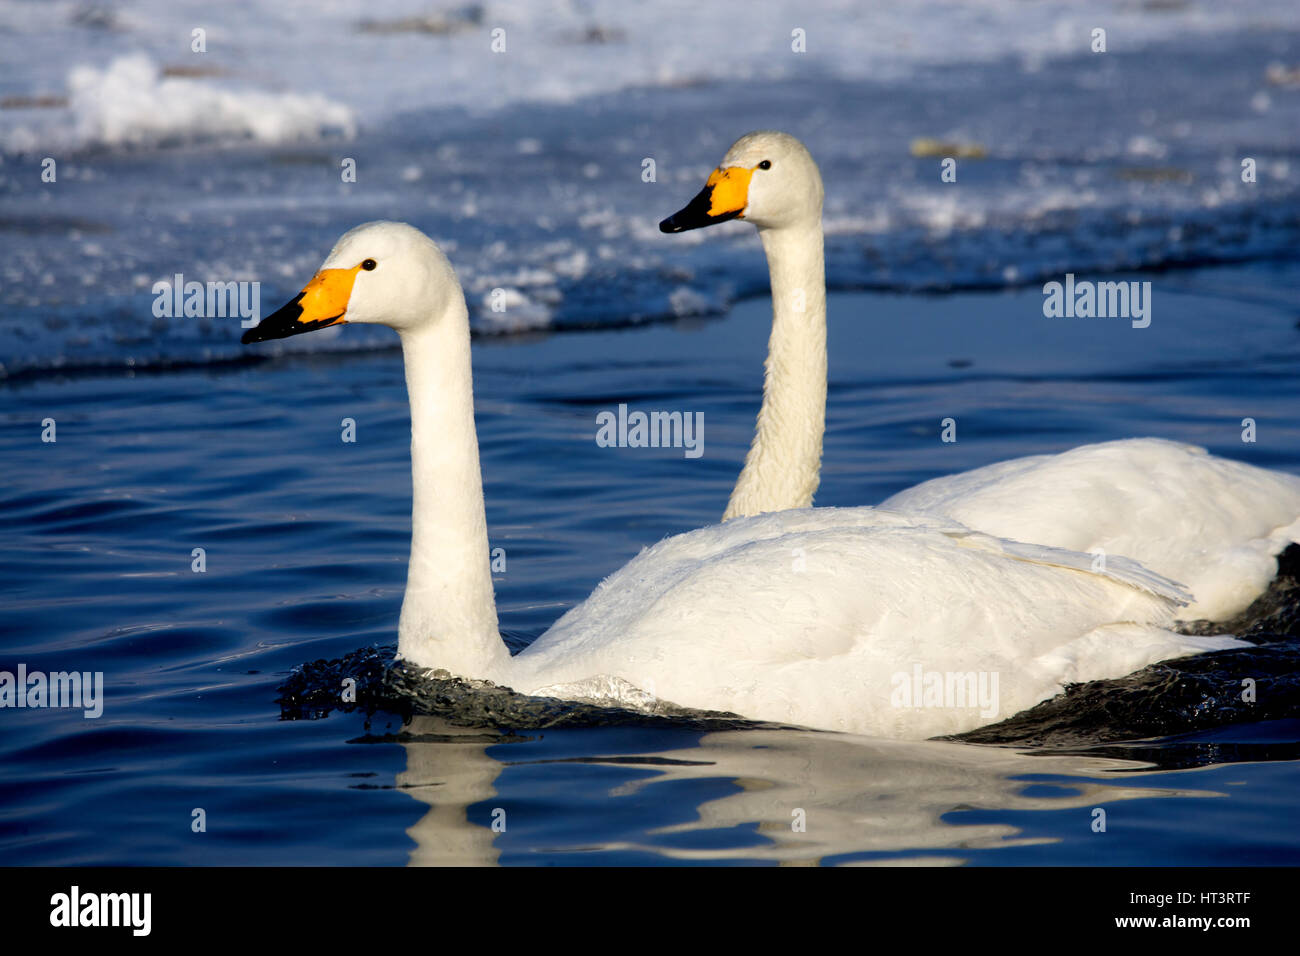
pixel 306 540
pixel 172 437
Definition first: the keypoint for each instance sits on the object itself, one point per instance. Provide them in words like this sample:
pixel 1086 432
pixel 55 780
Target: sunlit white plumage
pixel 1212 524
pixel 818 616
pixel 804 617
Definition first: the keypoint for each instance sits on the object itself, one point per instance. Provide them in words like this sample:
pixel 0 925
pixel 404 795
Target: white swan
pixel 1212 524
pixel 770 180
pixel 806 617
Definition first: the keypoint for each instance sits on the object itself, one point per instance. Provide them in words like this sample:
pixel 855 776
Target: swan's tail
pixel 1113 566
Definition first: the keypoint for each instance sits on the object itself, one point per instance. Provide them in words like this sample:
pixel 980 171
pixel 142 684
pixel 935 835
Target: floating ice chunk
pixel 1147 146
pixel 573 266
pixel 685 302
pixel 130 103
pixel 506 309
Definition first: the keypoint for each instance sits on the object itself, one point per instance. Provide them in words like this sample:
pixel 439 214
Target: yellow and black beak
pixel 724 197
pixel 321 303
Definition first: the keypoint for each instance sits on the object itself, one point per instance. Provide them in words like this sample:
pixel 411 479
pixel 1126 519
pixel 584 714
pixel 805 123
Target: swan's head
pixel 383 273
pixel 767 178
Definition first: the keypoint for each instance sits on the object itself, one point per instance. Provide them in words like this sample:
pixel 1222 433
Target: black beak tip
pixel 696 214
pixel 280 324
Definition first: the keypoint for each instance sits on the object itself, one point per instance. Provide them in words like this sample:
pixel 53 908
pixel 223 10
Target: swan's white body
pixel 1212 524
pixel 820 616
pixel 807 617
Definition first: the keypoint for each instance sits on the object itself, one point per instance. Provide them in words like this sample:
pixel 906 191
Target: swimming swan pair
pixel 872 621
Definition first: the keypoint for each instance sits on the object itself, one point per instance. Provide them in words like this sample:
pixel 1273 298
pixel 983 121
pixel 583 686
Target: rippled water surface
pixel 306 539
pixel 222 687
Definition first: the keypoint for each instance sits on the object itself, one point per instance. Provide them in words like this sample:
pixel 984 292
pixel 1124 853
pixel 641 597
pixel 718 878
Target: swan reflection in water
pixel 851 794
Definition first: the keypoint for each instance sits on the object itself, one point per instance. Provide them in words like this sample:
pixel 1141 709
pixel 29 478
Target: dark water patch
pixel 1172 697
pixel 384 685
pixel 113 747
pixel 1263 741
pixel 47 223
pixel 100 514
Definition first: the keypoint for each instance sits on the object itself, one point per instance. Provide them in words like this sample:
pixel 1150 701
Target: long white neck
pixel 449 616
pixel 783 466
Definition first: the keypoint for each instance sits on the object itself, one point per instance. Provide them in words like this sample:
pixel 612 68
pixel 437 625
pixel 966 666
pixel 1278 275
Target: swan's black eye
pixel 765 164
pixel 369 265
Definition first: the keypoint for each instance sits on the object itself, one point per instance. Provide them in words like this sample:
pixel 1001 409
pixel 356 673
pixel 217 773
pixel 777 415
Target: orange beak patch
pixel 730 191
pixel 723 197
pixel 322 302
pixel 325 297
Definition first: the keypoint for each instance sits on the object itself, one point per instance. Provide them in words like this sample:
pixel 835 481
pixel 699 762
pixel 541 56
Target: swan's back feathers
pixel 808 616
pixel 1211 523
pixel 1117 568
